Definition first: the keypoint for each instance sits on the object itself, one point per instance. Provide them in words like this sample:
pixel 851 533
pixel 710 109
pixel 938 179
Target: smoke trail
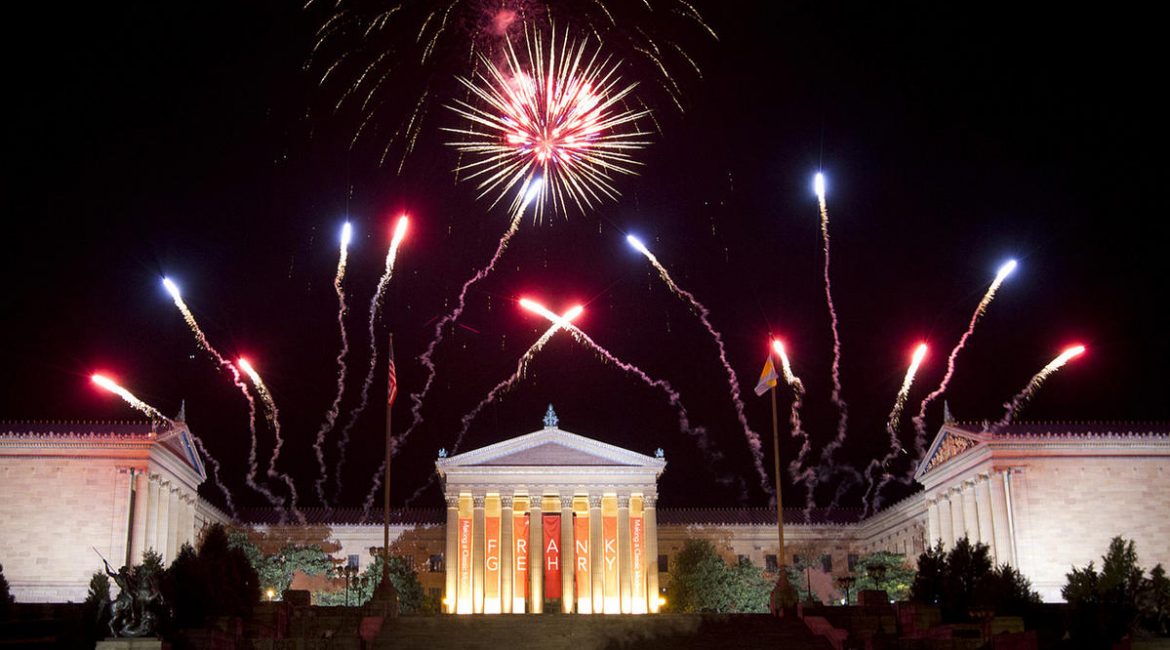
pixel 807 475
pixel 753 439
pixel 334 409
pixel 1012 408
pixel 203 342
pixel 273 416
pixel 837 399
pixel 375 312
pixel 920 419
pixel 529 191
pixel 227 496
pixel 892 424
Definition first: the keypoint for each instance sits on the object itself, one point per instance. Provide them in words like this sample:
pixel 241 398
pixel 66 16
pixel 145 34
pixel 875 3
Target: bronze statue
pixel 134 612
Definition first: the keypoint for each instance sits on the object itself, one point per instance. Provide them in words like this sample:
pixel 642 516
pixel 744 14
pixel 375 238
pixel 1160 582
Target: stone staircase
pixel 560 632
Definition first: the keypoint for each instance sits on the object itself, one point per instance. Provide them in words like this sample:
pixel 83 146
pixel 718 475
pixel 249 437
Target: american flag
pixel 392 390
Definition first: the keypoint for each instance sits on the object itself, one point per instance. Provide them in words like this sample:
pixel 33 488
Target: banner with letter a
pixel 552 555
pixel 582 568
pixel 519 554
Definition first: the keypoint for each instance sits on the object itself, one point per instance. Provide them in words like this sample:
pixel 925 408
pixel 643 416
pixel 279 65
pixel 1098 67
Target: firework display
pixel 550 121
pixel 556 113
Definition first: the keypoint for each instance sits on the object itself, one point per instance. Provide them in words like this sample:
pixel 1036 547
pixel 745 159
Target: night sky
pixel 187 139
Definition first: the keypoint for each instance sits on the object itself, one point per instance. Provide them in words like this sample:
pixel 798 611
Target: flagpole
pixel 386 477
pixel 782 594
pixel 776 458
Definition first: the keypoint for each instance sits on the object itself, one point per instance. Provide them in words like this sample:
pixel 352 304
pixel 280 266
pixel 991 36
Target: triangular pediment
pixel 177 440
pixel 948 444
pixel 550 447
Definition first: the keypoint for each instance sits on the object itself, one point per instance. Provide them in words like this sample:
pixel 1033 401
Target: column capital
pixel 649 501
pixel 452 501
pixel 623 501
pixel 594 500
pixel 566 502
pixel 505 501
pixel 477 500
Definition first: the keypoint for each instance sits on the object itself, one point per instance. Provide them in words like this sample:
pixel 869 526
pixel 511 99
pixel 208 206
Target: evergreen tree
pixel 963 583
pixel 1109 604
pixel 6 599
pixel 411 598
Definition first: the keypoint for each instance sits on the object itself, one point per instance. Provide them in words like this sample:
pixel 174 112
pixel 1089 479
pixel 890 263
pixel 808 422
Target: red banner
pixel 609 555
pixel 520 553
pixel 491 564
pixel 581 553
pixel 464 587
pixel 552 555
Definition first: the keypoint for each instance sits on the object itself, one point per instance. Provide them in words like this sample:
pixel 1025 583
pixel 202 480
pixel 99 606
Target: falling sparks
pixel 273 416
pixel 375 311
pixel 334 408
pixel 1012 408
pixel 558 113
pixel 753 439
pixel 920 419
pixel 796 468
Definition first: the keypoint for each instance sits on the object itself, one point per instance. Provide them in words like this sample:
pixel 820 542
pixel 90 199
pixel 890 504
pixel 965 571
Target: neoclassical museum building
pixel 553 519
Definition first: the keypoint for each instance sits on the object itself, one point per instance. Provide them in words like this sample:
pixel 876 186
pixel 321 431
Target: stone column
pixel 162 521
pixel 624 553
pixel 536 556
pixel 933 531
pixel 477 541
pixel 151 538
pixel 189 522
pixel 986 526
pixel 506 553
pixel 138 542
pixel 451 557
pixel 997 498
pixel 946 531
pixel 597 562
pixel 957 528
pixel 568 557
pixel 173 524
pixel 651 524
pixel 970 514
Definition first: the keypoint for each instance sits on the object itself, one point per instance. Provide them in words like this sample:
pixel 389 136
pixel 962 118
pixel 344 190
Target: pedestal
pixel 131 643
pixel 784 595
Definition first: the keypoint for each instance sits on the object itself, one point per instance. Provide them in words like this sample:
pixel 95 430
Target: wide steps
pixel 569 632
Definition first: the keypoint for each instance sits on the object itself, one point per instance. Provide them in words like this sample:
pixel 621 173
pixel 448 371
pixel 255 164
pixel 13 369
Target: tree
pixel 217 581
pixel 885 571
pixel 6 599
pixel 411 598
pixel 700 581
pixel 1108 605
pixel 964 582
pixel 276 571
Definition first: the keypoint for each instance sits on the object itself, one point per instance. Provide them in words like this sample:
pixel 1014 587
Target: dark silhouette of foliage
pixel 216 581
pixel 963 582
pixel 6 599
pixel 411 598
pixel 276 571
pixel 1109 604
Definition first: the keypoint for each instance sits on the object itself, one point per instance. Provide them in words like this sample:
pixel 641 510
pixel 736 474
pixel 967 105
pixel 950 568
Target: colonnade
pixel 163 518
pixel 584 553
pixel 980 508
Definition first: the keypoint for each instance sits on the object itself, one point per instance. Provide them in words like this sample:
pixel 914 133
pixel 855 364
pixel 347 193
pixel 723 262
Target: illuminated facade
pixel 554 521
pixel 551 519
pixel 72 488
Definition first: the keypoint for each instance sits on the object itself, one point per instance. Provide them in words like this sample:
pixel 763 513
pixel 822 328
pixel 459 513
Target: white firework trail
pixel 892 425
pixel 753 439
pixel 795 470
pixel 334 409
pixel 531 190
pixel 273 416
pixel 836 397
pixel 203 342
pixel 375 312
pixel 920 419
pixel 1012 408
pixel 227 496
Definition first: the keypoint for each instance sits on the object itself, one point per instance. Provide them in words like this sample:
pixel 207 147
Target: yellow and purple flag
pixel 768 378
